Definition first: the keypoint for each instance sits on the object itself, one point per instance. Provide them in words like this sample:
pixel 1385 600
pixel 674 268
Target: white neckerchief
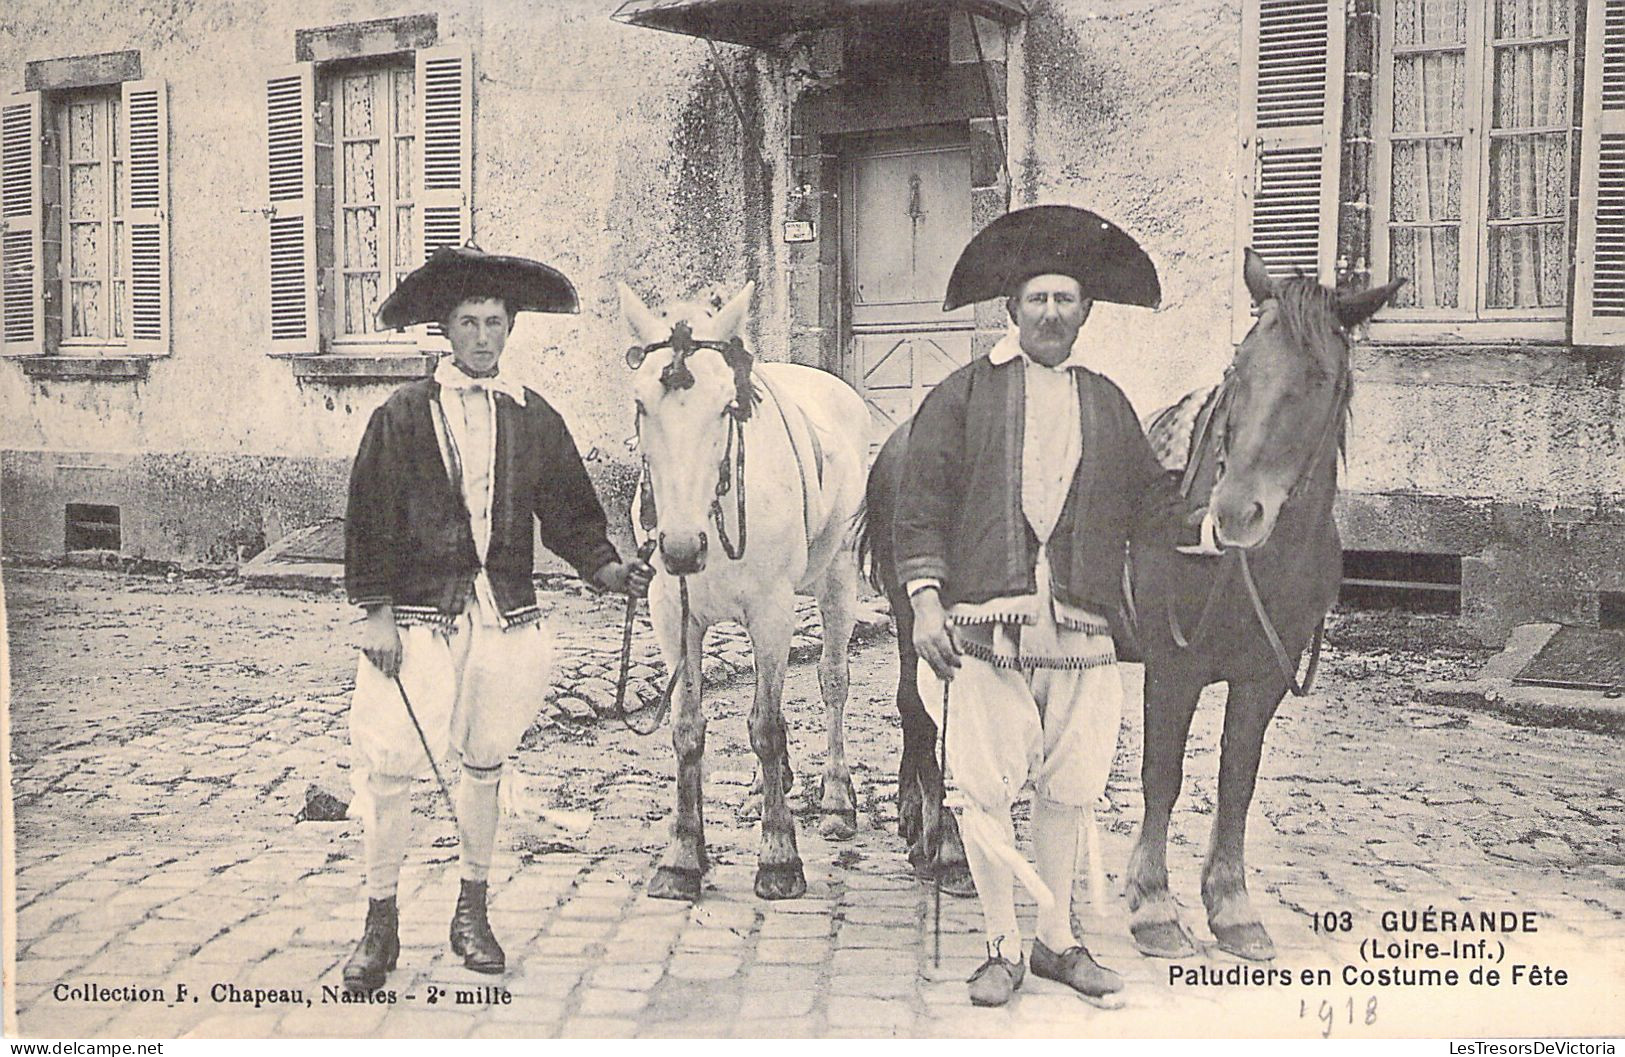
pixel 1009 348
pixel 451 376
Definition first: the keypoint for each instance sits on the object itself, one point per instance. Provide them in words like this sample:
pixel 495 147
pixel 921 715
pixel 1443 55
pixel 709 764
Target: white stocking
pixel 1055 846
pixel 386 826
pixel 477 820
pixel 995 881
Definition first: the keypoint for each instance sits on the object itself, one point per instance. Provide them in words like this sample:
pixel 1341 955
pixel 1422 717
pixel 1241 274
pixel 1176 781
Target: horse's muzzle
pixel 683 554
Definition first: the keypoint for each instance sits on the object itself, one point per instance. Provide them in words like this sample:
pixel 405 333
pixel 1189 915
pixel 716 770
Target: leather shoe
pixel 471 931
pixel 995 980
pixel 1076 969
pixel 379 949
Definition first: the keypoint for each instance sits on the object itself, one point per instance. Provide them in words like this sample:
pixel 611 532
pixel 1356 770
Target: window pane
pixel 360 96
pixel 406 121
pixel 85 192
pixel 360 301
pixel 361 239
pixel 1530 18
pixel 360 173
pixel 403 239
pixel 1429 91
pixel 85 319
pixel 86 241
pixel 112 127
pixel 118 188
pixel 1529 176
pixel 1426 183
pixel 117 257
pixel 1528 266
pixel 118 309
pixel 82 131
pixel 403 169
pixel 1531 86
pixel 1431 259
pixel 1430 21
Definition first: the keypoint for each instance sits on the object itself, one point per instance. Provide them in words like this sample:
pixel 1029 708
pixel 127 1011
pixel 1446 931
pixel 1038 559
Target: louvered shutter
pixel 1599 260
pixel 1292 118
pixel 22 284
pixel 146 190
pixel 290 141
pixel 445 173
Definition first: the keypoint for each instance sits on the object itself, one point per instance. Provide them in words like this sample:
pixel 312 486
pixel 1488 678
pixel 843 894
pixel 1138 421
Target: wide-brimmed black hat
pixel 455 273
pixel 1059 240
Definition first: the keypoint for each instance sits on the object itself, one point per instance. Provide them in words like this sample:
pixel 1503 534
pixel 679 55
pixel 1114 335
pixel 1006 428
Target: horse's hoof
pixel 781 881
pixel 1248 941
pixel 675 882
pixel 1162 939
pixel 839 824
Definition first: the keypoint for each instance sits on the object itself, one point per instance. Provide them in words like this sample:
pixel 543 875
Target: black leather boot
pixel 379 949
pixel 471 932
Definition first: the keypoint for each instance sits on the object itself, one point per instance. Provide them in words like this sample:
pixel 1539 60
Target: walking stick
pixel 424 741
pixel 936 872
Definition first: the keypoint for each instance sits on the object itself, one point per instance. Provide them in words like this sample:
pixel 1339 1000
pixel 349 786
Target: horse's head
pixel 691 381
pixel 1285 402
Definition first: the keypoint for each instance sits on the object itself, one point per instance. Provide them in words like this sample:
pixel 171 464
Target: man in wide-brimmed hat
pixel 1027 473
pixel 452 473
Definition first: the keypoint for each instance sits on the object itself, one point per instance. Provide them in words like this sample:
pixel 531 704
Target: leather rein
pixel 1236 557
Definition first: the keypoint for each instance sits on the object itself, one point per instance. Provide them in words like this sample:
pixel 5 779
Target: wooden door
pixel 906 216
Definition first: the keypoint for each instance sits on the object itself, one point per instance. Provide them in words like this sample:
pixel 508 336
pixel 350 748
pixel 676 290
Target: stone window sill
pixel 109 368
pixel 363 367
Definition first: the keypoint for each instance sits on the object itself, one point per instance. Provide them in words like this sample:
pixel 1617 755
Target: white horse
pixel 745 535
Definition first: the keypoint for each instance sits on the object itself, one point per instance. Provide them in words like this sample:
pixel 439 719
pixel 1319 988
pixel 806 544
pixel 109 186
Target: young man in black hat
pixel 450 475
pixel 1027 474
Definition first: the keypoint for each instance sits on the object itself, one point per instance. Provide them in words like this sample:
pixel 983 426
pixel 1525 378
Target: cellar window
pixel 1405 580
pixel 91 527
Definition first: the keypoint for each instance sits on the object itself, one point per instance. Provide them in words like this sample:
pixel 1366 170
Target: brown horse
pixel 1266 462
pixel 930 830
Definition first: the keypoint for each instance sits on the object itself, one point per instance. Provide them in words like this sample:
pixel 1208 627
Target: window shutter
pixel 290 141
pixel 445 173
pixel 22 283
pixel 1291 128
pixel 1599 259
pixel 146 190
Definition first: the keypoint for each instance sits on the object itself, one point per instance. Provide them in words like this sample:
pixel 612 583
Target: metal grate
pixel 1404 580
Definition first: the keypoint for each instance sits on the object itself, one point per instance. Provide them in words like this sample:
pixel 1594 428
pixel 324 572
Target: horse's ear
pixel 1354 309
pixel 1257 277
pixel 731 316
pixel 646 326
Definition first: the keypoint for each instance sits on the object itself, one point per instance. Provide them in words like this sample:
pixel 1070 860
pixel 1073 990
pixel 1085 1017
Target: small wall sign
pixel 799 231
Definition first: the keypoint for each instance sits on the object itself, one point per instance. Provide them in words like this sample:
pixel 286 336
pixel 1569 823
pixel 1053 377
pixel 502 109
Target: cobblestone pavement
pixel 164 736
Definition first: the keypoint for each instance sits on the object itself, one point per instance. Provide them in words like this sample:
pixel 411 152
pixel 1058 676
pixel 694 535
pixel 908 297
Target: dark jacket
pixel 959 517
pixel 407 539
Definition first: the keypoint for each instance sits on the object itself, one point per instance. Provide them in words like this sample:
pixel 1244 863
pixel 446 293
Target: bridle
pixel 731 469
pixel 1216 425
pixel 676 375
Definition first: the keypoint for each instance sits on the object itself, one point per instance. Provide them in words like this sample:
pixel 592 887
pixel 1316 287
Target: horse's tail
pixel 874 519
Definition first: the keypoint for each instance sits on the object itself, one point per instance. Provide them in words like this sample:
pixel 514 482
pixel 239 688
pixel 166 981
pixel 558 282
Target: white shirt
pixel 469 447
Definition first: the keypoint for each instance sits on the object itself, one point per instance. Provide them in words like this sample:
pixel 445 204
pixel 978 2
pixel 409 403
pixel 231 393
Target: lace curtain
pixel 1527 75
